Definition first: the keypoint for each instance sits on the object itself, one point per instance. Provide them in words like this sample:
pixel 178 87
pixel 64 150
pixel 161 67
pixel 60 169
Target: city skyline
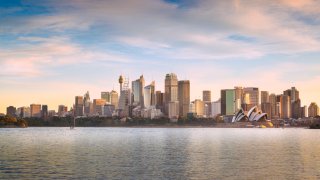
pixel 51 52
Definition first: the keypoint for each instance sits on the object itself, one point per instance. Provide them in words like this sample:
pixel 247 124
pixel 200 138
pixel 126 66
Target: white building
pixel 215 108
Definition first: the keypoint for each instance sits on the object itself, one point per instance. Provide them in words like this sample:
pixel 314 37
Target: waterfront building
pixel 137 92
pixel 253 95
pixel 98 105
pixel 159 100
pixel 108 110
pixel 206 98
pixel 78 106
pixel 125 97
pixel 171 90
pixel 304 111
pixel 11 111
pixel 266 108
pixel 23 112
pixel 273 105
pixel 192 108
pixel 147 96
pixel 313 110
pixel 228 102
pixel 184 97
pixel 87 104
pixel 62 110
pixel 296 109
pixel 264 97
pixel 216 108
pixel 199 108
pixel 285 107
pixel 35 110
pixel 44 112
pixel 114 99
pixel 106 96
pixel 173 109
pixel 239 97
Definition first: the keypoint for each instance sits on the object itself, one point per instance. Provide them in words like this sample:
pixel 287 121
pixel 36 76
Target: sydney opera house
pixel 253 115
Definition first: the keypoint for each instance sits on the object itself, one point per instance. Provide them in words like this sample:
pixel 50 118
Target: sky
pixel 52 51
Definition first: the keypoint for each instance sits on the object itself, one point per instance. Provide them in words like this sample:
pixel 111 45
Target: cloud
pixel 34 56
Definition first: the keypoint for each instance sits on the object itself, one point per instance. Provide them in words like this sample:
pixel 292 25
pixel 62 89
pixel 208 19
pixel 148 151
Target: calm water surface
pixel 159 153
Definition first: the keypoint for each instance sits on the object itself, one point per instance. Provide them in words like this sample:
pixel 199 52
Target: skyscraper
pixel 171 89
pixel 87 104
pixel 106 96
pixel 264 97
pixel 147 96
pixel 313 110
pixel 206 96
pixel 44 111
pixel 138 91
pixel 199 108
pixel 184 97
pixel 98 105
pixel 253 94
pixel 273 106
pixel 114 99
pixel 285 107
pixel 228 102
pixel 216 108
pixel 78 106
pixel 35 110
pixel 159 100
pixel 11 111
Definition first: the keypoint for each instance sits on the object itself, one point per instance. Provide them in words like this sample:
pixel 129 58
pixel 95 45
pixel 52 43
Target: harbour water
pixel 159 153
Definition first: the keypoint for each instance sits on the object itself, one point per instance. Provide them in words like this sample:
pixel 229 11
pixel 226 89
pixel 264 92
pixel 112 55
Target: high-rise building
pixel 23 112
pixel 125 98
pixel 35 110
pixel 98 106
pixel 228 102
pixel 44 111
pixel 216 108
pixel 313 110
pixel 114 99
pixel 266 108
pixel 199 108
pixel 147 96
pixel 296 109
pixel 173 109
pixel 304 111
pixel 171 89
pixel 293 93
pixel 264 97
pixel 62 110
pixel 285 107
pixel 106 96
pixel 87 104
pixel 273 105
pixel 11 111
pixel 253 95
pixel 138 92
pixel 184 97
pixel 238 94
pixel 78 106
pixel 159 100
pixel 206 96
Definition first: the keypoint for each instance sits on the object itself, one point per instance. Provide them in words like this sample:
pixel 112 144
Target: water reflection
pixel 173 153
